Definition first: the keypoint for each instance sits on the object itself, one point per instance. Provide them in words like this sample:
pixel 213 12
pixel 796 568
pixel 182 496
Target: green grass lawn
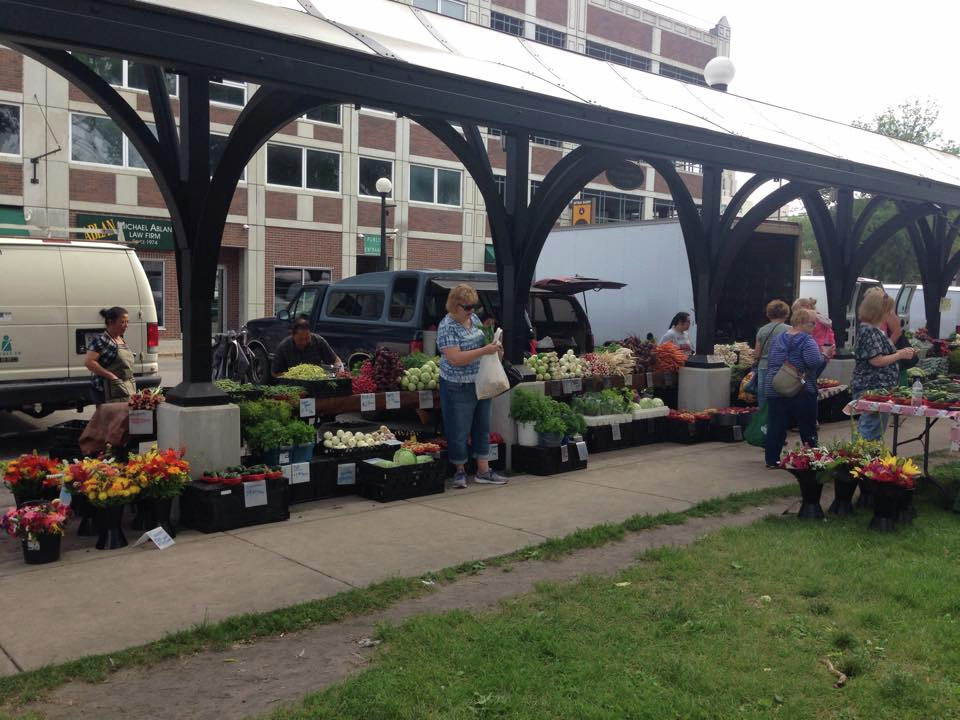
pixel 736 626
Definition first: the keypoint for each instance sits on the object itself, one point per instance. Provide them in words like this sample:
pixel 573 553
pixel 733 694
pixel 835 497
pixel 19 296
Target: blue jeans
pixel 464 415
pixel 761 376
pixel 803 409
pixel 870 425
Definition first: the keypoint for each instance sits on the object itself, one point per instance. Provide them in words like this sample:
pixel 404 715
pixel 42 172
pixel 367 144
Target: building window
pixel 228 92
pixel 548 36
pixel 453 8
pixel 329 114
pixel 98 140
pixel 534 187
pixel 612 207
pixel 688 167
pixel 549 142
pixel 489 258
pixel 287 282
pixel 154 271
pixel 677 73
pixel 9 130
pixel 501 182
pixel 615 55
pixel 124 73
pixel 371 170
pixel 664 208
pixel 506 23
pixel 355 304
pixel 494 132
pixel 218 143
pixel 300 167
pixel 437 186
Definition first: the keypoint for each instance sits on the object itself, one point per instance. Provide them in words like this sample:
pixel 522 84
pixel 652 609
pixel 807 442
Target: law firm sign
pixel 142 233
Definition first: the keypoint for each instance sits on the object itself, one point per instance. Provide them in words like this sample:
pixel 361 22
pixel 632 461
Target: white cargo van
pixel 51 292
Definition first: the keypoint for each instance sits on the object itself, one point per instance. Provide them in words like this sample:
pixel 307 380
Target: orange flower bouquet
pixel 104 483
pixel 159 473
pixel 32 476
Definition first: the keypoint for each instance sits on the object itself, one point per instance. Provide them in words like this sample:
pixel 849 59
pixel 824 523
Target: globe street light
pixel 384 188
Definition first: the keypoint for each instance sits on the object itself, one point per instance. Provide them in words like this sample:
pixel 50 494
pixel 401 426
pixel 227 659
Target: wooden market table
pixel 930 417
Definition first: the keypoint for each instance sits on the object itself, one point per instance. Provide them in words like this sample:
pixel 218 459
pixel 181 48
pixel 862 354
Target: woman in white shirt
pixel 677 334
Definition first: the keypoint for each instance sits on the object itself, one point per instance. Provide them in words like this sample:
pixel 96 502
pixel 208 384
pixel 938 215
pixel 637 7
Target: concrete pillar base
pixel 701 388
pixel 209 434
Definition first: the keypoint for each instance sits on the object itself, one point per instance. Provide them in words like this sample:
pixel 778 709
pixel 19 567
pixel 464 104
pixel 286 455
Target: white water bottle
pixel 916 393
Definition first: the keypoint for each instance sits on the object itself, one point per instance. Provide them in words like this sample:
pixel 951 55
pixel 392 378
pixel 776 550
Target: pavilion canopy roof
pixel 500 80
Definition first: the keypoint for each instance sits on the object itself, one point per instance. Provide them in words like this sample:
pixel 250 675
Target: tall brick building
pixel 307 208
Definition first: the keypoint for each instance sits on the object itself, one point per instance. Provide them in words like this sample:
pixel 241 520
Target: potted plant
pixel 526 408
pixel 33 477
pixel 810 466
pixel 161 475
pixel 892 480
pixel 39 527
pixel 269 438
pixel 551 428
pixel 303 438
pixel 847 456
pixel 109 488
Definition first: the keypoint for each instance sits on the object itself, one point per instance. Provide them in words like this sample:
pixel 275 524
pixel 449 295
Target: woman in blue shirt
pixel 461 342
pixel 798 348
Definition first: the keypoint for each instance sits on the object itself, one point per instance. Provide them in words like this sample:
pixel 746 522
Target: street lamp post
pixel 384 188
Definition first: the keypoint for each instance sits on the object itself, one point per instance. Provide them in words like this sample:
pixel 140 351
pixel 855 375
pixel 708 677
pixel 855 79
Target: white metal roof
pixel 440 43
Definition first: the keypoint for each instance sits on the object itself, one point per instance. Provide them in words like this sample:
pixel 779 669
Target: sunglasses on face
pixel 477 306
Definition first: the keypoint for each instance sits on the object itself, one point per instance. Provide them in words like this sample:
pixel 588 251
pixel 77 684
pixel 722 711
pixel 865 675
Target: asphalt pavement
pixel 21 433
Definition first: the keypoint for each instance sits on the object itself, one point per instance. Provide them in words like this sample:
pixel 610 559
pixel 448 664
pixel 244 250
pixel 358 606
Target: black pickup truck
pixel 398 310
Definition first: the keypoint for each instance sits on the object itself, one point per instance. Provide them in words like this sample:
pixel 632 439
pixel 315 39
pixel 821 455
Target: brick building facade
pixel 306 208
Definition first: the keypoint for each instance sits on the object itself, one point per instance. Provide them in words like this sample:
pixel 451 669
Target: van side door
pixel 903 301
pixel 34 344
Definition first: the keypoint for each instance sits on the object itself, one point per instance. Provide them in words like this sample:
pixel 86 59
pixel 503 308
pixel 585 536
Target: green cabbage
pixel 404 457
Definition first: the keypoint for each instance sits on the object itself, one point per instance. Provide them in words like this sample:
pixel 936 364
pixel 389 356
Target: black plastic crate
pixel 215 507
pixel 335 476
pixel 831 409
pixel 600 437
pixel 649 430
pixel 726 433
pixel 546 460
pixel 333 387
pixel 687 433
pixel 67 434
pixel 401 482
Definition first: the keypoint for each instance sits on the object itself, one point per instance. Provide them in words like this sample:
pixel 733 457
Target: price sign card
pixel 494 452
pixel 160 537
pixel 567 387
pixel 308 407
pixel 285 457
pixel 576 385
pixel 368 402
pixel 564 454
pixel 615 430
pixel 141 422
pixel 347 474
pixel 426 399
pixel 582 450
pixel 254 493
pixel 392 400
pixel 299 473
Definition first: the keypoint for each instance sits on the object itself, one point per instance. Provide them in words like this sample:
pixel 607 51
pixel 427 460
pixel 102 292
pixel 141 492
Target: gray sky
pixel 842 59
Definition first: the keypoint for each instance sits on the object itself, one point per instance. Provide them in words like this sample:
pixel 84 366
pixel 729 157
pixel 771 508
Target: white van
pixel 51 294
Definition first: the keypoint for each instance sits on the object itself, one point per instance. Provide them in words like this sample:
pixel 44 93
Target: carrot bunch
pixel 669 357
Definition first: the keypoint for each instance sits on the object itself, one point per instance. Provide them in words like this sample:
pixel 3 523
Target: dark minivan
pixel 395 309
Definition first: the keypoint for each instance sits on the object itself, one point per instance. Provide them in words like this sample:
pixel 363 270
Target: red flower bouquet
pixel 902 472
pixel 30 474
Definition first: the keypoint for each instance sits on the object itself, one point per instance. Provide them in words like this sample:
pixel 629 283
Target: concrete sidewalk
pixel 100 601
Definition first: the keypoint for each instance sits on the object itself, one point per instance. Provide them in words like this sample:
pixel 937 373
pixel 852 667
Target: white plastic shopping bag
pixel 491 379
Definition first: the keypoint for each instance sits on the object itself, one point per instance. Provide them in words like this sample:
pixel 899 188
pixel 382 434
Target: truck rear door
pixel 33 314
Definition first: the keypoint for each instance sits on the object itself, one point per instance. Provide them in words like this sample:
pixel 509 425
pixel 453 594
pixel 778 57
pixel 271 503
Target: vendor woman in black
pixel 303 346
